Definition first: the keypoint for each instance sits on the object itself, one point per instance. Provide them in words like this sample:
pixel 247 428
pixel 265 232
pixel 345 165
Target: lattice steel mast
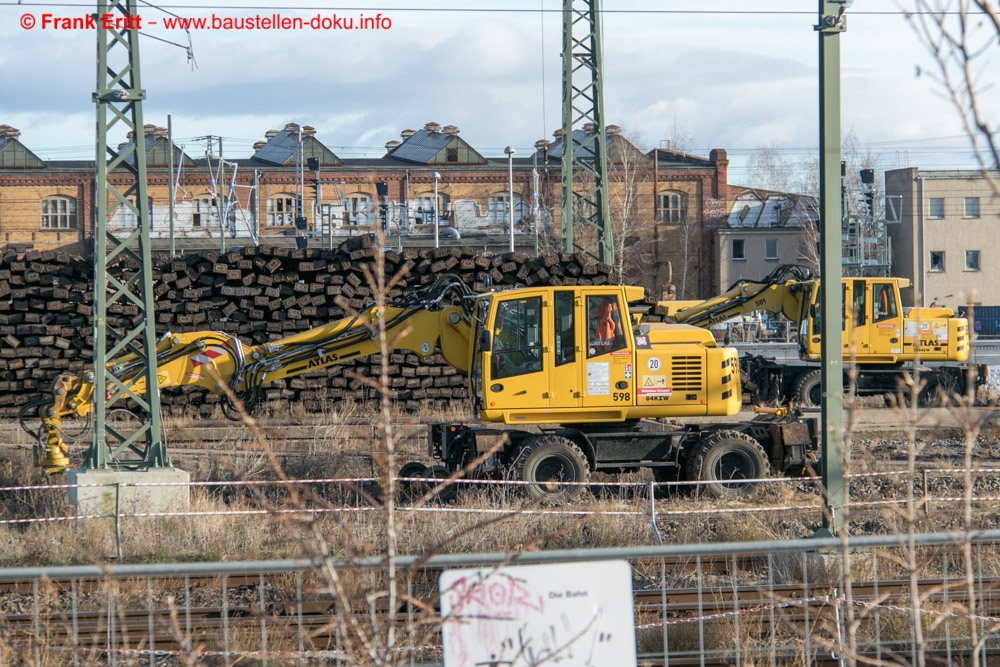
pixel 586 224
pixel 119 107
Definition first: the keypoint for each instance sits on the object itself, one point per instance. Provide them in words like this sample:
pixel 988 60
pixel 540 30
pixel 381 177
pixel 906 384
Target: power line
pixel 502 10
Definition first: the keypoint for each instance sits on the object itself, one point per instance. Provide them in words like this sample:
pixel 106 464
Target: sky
pixel 725 74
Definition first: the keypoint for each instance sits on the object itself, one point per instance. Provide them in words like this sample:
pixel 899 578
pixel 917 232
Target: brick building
pixel 665 205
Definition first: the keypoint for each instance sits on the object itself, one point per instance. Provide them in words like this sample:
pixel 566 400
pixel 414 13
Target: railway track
pixel 285 611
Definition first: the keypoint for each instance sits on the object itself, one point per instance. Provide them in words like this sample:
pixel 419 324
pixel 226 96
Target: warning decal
pixel 654 385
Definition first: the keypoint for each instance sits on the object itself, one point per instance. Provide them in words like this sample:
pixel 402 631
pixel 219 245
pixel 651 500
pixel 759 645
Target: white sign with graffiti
pixel 576 614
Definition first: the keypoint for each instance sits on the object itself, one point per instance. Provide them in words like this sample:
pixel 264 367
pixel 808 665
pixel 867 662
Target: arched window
pixel 59 213
pixel 498 208
pixel 359 209
pixel 423 207
pixel 281 210
pixel 673 206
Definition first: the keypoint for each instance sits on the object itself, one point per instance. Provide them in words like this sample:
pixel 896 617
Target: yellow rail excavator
pixel 885 345
pixel 579 384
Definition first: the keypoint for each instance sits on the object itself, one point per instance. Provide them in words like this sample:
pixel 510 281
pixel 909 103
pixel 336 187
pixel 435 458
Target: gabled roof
pixel 157 154
pixel 584 148
pixel 427 147
pixel 283 148
pixel 763 209
pixel 667 159
pixel 619 149
pixel 14 154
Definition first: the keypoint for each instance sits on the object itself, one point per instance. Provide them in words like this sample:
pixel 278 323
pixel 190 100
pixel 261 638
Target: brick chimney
pixel 406 134
pixel 720 184
pixel 432 127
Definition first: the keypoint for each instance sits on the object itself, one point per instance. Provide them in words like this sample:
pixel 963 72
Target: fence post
pixel 118 514
pixel 652 513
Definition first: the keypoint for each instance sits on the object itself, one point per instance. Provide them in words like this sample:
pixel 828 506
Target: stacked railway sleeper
pixel 260 294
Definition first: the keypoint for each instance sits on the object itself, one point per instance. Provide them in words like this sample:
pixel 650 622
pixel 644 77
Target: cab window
pixel 605 332
pixel 517 338
pixel 884 301
pixel 859 306
pixel 565 329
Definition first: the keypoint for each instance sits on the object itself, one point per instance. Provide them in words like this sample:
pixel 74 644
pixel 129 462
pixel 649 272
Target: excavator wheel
pixel 724 460
pixel 413 490
pixel 547 460
pixel 937 392
pixel 445 494
pixel 808 389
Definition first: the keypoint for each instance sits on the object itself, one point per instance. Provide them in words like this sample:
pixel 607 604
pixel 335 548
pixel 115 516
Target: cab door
pixel 857 319
pixel 885 338
pixel 565 380
pixel 607 373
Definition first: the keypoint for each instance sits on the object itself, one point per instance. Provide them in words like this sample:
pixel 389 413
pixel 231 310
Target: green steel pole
pixel 831 23
pixel 119 98
pixel 586 221
pixel 170 169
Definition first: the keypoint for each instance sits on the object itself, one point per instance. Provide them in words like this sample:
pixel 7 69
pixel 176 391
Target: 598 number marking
pixel 621 396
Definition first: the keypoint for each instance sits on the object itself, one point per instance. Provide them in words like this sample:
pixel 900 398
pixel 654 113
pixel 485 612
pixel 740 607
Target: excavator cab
pixel 572 355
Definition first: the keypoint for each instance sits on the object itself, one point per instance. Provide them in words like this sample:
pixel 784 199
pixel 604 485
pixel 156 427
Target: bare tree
pixel 769 169
pixel 679 137
pixel 959 35
pixel 629 172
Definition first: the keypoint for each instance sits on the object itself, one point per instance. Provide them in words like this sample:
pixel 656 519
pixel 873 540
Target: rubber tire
pixel 447 493
pixel 808 389
pixel 727 455
pixel 936 393
pixel 412 490
pixel 551 458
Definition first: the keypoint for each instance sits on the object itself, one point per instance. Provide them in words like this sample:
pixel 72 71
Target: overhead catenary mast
pixel 586 224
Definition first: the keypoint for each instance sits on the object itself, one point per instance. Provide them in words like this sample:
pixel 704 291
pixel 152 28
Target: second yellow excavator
pixel 884 344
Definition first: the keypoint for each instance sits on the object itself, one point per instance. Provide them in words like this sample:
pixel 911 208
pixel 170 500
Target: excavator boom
pixel 780 292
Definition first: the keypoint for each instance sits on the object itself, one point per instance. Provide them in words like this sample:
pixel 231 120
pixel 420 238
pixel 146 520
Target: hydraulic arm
pixel 437 319
pixel 781 291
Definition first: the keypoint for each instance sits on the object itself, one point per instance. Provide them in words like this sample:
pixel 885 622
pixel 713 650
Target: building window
pixel 125 216
pixel 770 248
pixel 935 207
pixel 937 261
pixel 739 250
pixel 972 207
pixel 280 210
pixel 359 209
pixel 971 260
pixel 673 206
pixel 498 208
pixel 205 213
pixel 451 153
pixel 423 207
pixel 59 213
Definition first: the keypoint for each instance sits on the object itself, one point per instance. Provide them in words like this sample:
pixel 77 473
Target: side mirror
pixel 485 343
